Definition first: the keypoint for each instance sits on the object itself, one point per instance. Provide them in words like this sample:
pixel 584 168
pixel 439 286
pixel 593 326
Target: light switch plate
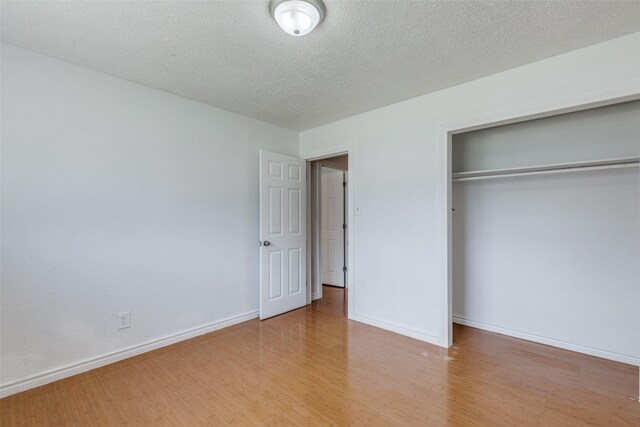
pixel 124 320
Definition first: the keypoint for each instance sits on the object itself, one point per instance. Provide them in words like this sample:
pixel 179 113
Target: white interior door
pixel 283 236
pixel 331 227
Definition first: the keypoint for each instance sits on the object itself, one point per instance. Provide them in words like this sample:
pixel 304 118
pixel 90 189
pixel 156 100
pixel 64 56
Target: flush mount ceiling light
pixel 297 17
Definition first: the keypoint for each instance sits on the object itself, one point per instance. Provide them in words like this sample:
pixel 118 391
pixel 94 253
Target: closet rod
pixel 629 162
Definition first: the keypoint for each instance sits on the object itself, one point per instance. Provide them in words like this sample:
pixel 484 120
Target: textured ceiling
pixel 366 54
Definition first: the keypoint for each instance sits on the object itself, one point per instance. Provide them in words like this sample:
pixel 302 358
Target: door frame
pixel 349 285
pixel 508 115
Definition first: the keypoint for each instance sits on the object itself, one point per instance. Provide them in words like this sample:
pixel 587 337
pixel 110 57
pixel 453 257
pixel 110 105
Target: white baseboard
pixel 431 339
pixel 592 351
pixel 315 296
pixel 96 362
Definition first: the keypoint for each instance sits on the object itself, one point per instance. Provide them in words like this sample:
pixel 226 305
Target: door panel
pixel 295 277
pixel 332 233
pixel 295 214
pixel 282 233
pixel 275 275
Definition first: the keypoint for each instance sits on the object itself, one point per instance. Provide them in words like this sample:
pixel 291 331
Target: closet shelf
pixel 625 162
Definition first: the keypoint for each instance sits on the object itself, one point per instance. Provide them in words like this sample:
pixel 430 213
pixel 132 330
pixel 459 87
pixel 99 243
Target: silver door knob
pixel 266 243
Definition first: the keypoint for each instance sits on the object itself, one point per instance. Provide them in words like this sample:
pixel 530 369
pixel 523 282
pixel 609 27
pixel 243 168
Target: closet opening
pixel 545 231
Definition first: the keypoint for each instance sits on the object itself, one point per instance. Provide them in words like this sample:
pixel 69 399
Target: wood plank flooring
pixel 314 367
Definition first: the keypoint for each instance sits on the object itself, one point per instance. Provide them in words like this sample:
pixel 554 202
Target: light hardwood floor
pixel 314 367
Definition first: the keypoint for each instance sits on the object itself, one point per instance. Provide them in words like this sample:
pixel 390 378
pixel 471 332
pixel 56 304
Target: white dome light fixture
pixel 297 17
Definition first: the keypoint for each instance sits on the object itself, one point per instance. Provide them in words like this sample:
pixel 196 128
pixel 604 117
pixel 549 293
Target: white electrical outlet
pixel 124 320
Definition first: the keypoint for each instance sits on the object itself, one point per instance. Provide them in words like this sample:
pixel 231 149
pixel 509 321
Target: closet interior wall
pixel 546 255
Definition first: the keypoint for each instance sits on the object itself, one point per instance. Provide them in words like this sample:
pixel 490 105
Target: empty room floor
pixel 314 367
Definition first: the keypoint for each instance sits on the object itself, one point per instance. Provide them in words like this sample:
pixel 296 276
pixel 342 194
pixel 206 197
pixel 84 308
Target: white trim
pixel 96 362
pixel 592 351
pixel 422 336
pixel 316 296
pixel 309 229
pixel 508 115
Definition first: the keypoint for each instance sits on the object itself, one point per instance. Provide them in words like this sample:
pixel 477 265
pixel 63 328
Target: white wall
pixel 399 174
pixel 551 258
pixel 595 134
pixel 117 197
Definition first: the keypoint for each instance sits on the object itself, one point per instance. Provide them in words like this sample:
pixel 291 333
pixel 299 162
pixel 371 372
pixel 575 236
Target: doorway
pixel 290 242
pixel 328 187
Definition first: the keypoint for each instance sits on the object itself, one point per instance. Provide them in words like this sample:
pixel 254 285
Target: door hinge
pixel 344 183
pixel 344 269
pixel 344 226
